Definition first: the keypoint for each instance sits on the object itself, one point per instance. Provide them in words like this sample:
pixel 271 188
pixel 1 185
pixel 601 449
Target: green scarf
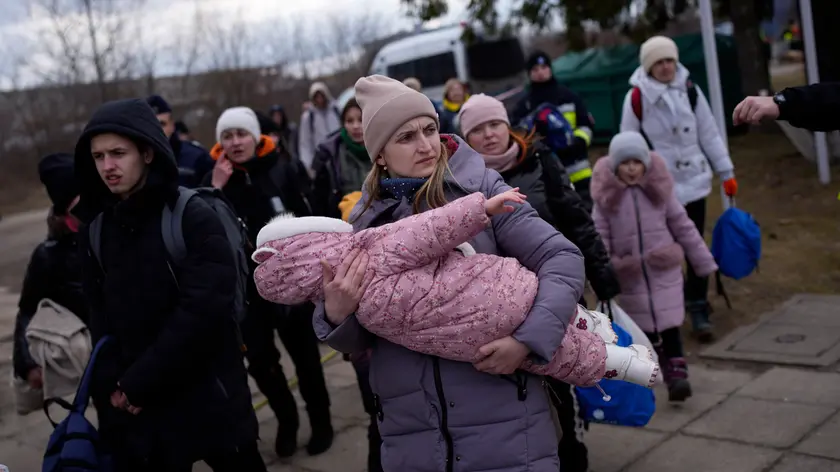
pixel 355 164
pixel 357 149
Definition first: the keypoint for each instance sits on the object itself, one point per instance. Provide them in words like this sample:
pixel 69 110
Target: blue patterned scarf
pixel 400 187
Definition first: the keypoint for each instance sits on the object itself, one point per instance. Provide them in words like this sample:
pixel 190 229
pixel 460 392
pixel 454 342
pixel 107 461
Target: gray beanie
pixel 628 145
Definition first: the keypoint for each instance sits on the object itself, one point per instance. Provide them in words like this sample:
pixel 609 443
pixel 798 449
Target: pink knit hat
pixel 481 109
pixel 386 105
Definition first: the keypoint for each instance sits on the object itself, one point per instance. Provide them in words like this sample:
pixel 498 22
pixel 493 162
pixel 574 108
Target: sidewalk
pixel 781 420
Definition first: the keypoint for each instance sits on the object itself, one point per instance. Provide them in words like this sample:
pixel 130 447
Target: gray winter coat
pixel 437 415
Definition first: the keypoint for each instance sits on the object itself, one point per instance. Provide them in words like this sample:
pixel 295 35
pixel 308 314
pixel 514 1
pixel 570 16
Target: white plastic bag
pixel 621 318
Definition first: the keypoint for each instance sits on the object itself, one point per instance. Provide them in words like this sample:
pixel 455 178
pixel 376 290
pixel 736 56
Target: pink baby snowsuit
pixel 424 294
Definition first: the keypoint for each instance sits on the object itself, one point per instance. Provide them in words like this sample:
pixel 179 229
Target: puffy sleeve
pixel 557 262
pixel 420 239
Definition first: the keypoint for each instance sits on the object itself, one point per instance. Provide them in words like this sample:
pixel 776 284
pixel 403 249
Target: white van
pixel 487 65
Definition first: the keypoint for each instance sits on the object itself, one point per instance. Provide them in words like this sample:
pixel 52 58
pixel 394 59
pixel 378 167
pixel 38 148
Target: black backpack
pixel 173 238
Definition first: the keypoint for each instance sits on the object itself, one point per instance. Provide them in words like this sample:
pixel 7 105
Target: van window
pixel 431 71
pixel 493 60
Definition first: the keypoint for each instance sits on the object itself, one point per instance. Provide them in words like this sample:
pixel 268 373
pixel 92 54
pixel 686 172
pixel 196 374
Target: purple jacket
pixel 437 415
pixel 648 234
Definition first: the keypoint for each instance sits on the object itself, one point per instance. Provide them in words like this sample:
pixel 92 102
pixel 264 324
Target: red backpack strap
pixel 636 102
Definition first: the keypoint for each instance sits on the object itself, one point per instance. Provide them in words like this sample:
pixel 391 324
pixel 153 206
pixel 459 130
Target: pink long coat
pixel 648 234
pixel 424 294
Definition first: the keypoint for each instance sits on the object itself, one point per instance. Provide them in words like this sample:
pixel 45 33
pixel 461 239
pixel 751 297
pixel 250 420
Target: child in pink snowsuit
pixel 648 235
pixel 431 298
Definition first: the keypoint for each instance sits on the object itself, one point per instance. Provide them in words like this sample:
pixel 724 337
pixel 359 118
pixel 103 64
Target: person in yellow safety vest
pixel 544 88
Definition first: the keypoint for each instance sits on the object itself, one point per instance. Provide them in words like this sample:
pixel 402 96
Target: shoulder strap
pixel 337 113
pixel 95 238
pixel 636 102
pixel 311 118
pixel 83 392
pixel 172 228
pixel 691 90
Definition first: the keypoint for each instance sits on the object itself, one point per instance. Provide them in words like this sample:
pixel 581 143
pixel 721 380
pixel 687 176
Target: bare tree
pixel 186 49
pixel 302 45
pixel 348 36
pixel 87 35
pixel 230 47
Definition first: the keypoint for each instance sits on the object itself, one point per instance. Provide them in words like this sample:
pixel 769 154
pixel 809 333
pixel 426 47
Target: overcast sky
pixel 22 27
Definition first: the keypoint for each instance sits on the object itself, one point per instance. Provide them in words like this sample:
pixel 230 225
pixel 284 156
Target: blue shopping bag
pixel 628 405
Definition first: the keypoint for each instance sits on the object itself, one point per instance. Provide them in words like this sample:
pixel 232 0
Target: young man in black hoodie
pixel 544 89
pixel 171 389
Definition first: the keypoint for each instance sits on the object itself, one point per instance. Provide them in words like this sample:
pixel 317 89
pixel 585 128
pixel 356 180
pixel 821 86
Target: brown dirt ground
pixel 800 223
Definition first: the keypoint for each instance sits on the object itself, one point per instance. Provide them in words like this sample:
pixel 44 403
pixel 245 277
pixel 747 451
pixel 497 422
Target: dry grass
pixel 799 222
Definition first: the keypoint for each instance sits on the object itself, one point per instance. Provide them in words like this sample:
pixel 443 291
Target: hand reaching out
pixel 497 204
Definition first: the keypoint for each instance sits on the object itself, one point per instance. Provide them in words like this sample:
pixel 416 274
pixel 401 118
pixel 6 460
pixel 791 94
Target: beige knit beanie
pixel 386 105
pixel 657 48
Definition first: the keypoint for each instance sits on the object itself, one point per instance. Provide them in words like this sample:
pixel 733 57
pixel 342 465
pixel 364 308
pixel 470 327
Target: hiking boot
pixel 595 322
pixel 573 456
pixel 632 364
pixel 322 432
pixel 699 312
pixel 676 378
pixel 285 443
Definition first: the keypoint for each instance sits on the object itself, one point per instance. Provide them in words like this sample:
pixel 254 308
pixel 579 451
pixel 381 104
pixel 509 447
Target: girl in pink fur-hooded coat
pixel 429 292
pixel 648 234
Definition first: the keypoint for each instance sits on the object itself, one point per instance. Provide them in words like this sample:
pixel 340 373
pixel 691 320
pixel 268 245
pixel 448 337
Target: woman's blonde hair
pixel 431 192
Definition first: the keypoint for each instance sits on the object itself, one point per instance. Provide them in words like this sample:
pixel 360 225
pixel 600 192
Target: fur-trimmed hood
pixel 607 189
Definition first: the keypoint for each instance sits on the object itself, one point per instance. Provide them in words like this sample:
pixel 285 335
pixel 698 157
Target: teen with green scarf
pixel 341 165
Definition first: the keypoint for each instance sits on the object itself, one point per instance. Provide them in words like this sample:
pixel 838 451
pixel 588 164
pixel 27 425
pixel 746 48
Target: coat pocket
pixel 627 267
pixel 665 257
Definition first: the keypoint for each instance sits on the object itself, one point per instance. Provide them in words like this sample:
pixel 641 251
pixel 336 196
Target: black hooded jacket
pixel 542 177
pixel 53 272
pixel 176 353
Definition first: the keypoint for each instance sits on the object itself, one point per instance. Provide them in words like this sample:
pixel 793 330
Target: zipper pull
pixel 605 396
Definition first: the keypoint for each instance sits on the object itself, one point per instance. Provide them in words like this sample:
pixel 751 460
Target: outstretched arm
pixel 419 239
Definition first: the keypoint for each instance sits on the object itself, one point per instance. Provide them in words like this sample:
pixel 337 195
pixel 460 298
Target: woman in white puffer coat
pixel 676 120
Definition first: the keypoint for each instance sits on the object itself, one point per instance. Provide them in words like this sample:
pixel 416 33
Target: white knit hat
pixel 628 145
pixel 657 48
pixel 238 118
pixel 286 226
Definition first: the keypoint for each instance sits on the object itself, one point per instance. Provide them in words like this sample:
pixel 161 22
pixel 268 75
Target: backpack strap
pixel 172 228
pixel 311 118
pixel 721 291
pixel 95 239
pixel 691 90
pixel 636 102
pixel 636 105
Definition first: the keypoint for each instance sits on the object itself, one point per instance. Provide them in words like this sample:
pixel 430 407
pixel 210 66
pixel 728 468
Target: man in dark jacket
pixel 262 182
pixel 171 389
pixel 54 270
pixel 288 131
pixel 813 107
pixel 544 89
pixel 193 161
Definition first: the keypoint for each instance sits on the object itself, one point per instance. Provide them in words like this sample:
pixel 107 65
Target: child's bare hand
pixel 497 205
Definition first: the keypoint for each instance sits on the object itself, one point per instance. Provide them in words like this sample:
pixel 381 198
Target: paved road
pixel 19 234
